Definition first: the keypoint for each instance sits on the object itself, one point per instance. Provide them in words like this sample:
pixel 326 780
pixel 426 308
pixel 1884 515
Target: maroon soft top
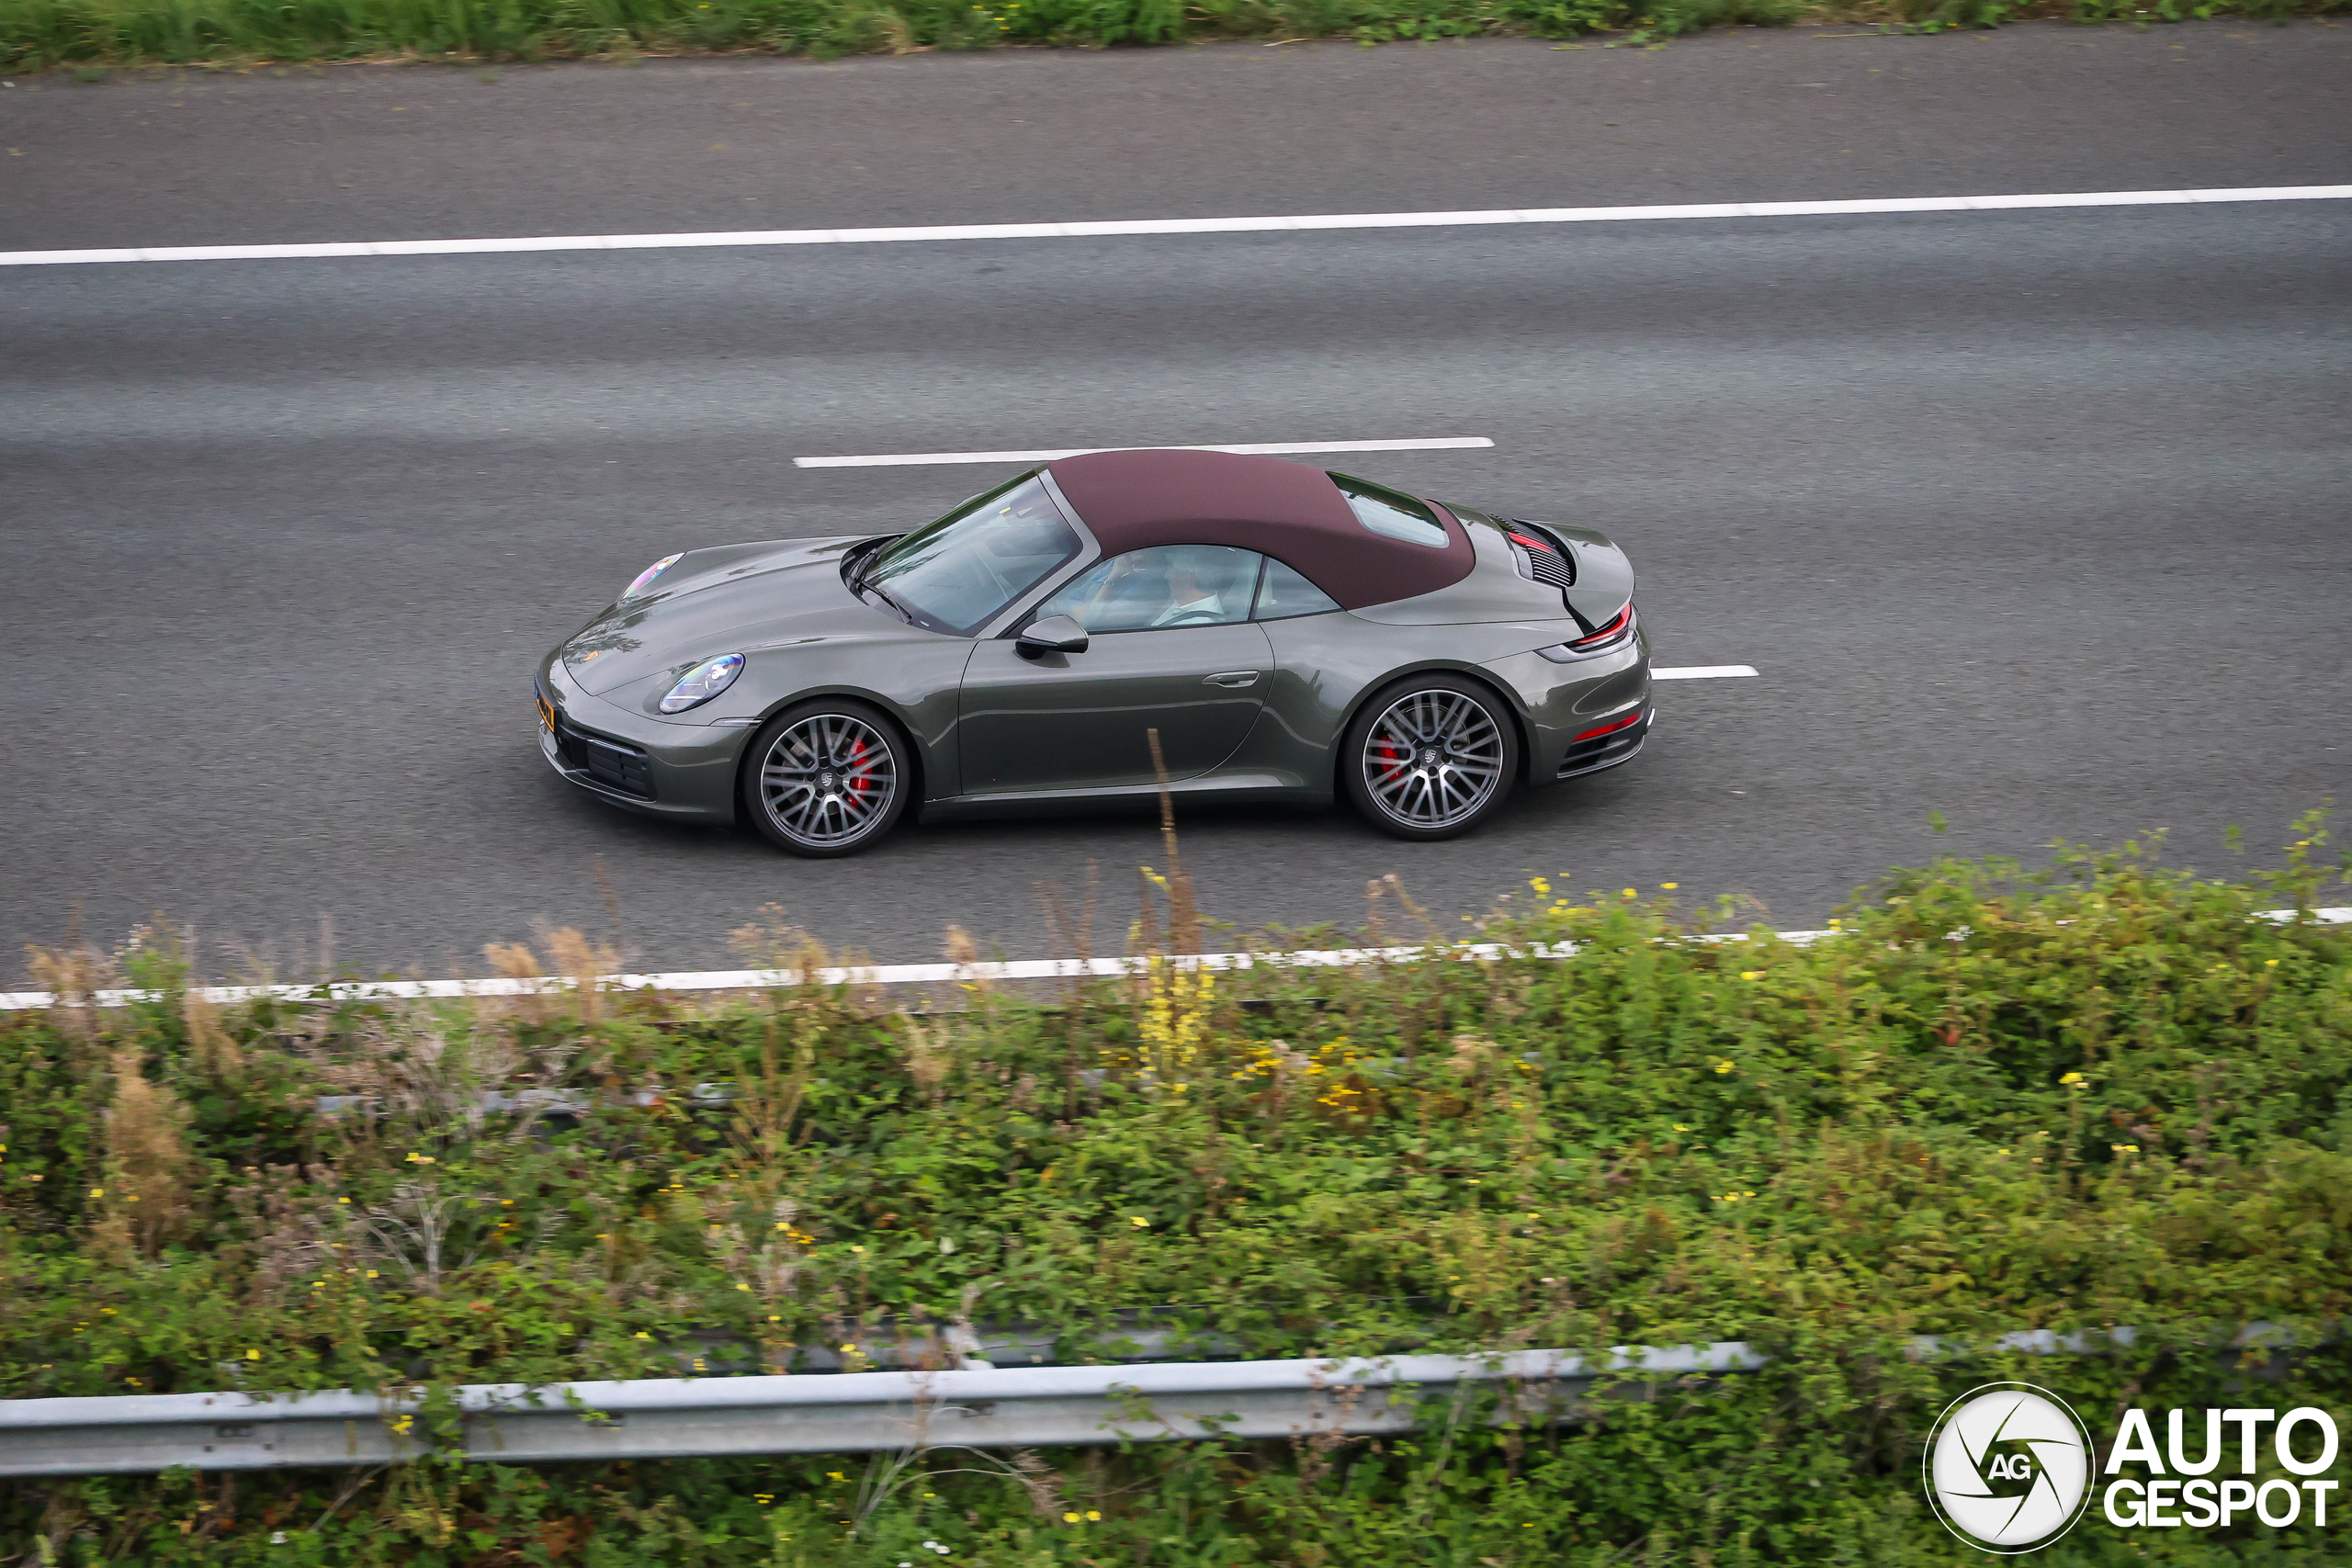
pixel 1135 499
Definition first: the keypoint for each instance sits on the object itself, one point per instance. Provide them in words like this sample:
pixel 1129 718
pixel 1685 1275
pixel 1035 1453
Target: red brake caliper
pixel 857 779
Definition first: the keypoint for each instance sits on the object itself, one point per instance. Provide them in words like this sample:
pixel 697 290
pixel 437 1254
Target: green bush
pixel 2106 1094
pixel 38 33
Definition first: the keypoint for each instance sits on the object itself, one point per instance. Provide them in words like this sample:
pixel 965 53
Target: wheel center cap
pixel 1430 757
pixel 825 781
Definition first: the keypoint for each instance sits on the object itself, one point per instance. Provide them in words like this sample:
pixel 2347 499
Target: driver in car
pixel 1187 599
pixel 1166 586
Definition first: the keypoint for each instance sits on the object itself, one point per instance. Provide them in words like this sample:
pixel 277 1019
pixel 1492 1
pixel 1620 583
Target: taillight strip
pixel 1612 728
pixel 1609 633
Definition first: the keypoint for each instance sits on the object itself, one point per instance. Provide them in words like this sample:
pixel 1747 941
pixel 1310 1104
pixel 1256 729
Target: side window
pixel 1391 512
pixel 1166 587
pixel 1284 593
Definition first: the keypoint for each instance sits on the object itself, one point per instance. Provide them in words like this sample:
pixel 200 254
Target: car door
pixel 1170 647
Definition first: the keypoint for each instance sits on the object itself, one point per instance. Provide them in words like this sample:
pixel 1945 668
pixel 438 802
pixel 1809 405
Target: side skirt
pixel 1239 789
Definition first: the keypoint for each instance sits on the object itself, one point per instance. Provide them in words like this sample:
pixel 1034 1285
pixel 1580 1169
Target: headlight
pixel 703 681
pixel 644 580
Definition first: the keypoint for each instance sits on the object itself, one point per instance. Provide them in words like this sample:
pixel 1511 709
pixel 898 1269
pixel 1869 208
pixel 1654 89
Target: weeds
pixel 86 35
pixel 146 1169
pixel 2105 1092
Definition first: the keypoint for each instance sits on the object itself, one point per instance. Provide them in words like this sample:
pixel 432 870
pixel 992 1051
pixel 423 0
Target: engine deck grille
pixel 1541 556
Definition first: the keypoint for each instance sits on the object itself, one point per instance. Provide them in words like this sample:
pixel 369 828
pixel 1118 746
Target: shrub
pixel 38 33
pixel 2108 1092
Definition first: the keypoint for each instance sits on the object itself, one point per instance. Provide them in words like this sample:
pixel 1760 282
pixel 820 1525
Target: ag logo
pixel 2009 1468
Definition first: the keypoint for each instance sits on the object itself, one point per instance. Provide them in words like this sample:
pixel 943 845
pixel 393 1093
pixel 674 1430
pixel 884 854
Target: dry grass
pixel 211 1046
pixel 928 1057
pixel 294 1224
pixel 572 956
pixel 147 1160
pixel 72 973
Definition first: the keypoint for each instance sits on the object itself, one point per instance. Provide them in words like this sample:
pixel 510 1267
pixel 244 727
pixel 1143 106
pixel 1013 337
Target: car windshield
pixel 957 574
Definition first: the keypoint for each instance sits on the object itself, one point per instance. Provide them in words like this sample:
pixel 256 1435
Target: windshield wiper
pixel 888 598
pixel 869 556
pixel 859 586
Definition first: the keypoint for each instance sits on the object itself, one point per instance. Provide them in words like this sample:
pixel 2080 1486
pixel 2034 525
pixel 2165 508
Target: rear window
pixel 1391 512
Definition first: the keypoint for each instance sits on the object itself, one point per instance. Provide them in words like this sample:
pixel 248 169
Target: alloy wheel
pixel 1432 759
pixel 828 780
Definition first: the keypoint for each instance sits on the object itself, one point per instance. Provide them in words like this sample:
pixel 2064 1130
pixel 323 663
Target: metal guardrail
pixel 977 1406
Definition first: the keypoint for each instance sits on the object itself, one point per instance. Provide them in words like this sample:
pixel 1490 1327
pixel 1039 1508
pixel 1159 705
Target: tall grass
pixel 37 33
pixel 2108 1092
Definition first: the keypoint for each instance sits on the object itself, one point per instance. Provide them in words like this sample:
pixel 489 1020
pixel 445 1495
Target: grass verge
pixel 92 34
pixel 2103 1093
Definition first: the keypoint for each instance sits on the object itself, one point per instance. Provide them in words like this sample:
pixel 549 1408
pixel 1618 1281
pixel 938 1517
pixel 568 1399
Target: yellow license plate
pixel 547 713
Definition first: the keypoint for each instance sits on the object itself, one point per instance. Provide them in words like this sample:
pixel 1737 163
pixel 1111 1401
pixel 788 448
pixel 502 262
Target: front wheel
pixel 825 778
pixel 1430 756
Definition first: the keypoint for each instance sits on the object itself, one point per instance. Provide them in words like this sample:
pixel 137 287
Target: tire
pixel 812 775
pixel 1430 756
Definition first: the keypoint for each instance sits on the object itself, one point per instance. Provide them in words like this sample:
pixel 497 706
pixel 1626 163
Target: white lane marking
pixel 1703 672
pixel 752 979
pixel 901 974
pixel 1260 448
pixel 1116 228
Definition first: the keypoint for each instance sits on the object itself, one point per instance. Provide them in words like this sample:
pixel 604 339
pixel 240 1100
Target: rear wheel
pixel 1430 756
pixel 826 778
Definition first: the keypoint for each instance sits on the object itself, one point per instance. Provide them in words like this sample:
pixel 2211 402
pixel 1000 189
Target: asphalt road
pixel 2038 520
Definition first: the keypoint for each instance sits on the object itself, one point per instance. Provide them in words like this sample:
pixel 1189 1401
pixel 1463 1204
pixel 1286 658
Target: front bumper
pixel 683 772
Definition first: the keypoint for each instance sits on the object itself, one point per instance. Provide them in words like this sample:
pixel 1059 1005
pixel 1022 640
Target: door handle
pixel 1232 680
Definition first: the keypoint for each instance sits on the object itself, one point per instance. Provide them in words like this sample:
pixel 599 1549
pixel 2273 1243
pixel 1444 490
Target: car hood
pixel 732 599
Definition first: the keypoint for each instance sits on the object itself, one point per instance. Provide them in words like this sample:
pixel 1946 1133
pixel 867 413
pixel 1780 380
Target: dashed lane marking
pixel 1261 448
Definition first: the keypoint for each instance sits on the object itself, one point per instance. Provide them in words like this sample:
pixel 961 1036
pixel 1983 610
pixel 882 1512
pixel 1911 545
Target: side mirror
pixel 1054 634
